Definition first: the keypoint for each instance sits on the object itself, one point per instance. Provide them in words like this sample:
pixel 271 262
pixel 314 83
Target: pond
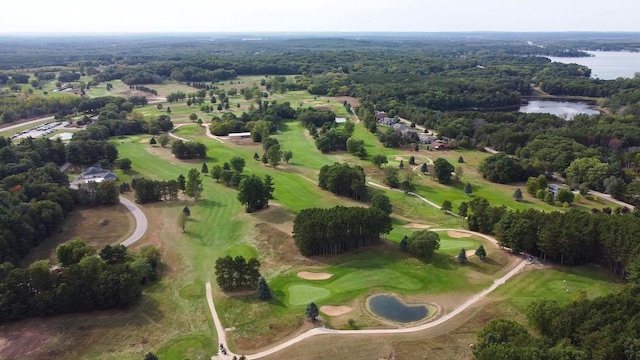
pixel 390 307
pixel 565 109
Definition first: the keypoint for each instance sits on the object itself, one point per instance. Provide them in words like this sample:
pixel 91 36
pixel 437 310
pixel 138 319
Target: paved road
pixel 611 199
pixel 25 123
pixel 323 331
pixel 222 334
pixel 208 132
pixel 141 222
pixel 412 194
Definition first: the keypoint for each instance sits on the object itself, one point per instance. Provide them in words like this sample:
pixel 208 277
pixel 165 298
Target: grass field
pixel 172 317
pixel 98 227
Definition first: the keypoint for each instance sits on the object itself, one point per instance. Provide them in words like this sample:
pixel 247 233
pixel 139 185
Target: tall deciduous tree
pixel 378 160
pixel 274 154
pixel 423 244
pixel 443 170
pixel 193 187
pixel 382 202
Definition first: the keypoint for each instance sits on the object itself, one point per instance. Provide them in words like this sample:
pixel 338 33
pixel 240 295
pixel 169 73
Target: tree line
pixel 85 282
pixel 600 328
pixel 573 237
pixel 336 230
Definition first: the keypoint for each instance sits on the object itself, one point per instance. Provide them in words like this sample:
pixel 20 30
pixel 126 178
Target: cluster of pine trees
pixel 572 237
pixel 153 190
pixel 343 180
pixel 188 150
pixel 601 328
pixel 237 273
pixel 85 282
pixel 336 230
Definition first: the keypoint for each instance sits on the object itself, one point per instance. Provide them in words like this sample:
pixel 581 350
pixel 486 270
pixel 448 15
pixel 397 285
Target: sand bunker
pixel 333 310
pixel 398 158
pixel 145 141
pixel 314 276
pixel 457 234
pixel 416 226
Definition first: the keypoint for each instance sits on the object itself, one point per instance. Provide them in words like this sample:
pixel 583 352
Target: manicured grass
pixel 187 347
pixel 549 283
pixel 303 294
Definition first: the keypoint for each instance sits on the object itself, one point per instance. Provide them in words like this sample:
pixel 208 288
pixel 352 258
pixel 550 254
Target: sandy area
pixel 333 310
pixel 145 141
pixel 398 158
pixel 314 276
pixel 457 234
pixel 417 226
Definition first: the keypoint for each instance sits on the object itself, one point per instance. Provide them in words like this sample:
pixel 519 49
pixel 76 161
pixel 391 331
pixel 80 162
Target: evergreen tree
pixel 205 168
pixel 152 141
pixel 181 182
pixel 460 160
pixel 517 195
pixel 462 256
pixel 446 205
pixel 424 169
pixel 264 293
pixel 382 202
pixel 311 312
pixel 401 166
pixel 256 157
pixel 186 210
pixel 480 252
pixel 150 356
pixel 548 198
pixel 403 243
pixel 412 160
pixel 467 189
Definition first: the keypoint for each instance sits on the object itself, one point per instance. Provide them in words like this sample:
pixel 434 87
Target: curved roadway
pixel 141 222
pixel 321 331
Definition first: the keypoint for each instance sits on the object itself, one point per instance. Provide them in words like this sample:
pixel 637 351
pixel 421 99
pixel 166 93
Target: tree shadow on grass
pixel 209 203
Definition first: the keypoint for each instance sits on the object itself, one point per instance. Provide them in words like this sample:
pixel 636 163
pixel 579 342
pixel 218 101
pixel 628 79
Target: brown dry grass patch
pixel 98 227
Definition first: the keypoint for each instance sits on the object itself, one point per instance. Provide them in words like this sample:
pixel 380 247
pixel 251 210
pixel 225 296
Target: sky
pixel 251 16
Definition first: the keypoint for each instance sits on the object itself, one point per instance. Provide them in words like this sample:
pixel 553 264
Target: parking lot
pixel 41 130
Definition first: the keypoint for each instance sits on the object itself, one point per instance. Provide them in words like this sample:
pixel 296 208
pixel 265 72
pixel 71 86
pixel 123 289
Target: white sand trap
pixel 398 158
pixel 457 234
pixel 333 310
pixel 314 276
pixel 416 226
pixel 145 141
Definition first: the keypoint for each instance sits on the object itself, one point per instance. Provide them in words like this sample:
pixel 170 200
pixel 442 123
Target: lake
pixel 606 65
pixel 565 109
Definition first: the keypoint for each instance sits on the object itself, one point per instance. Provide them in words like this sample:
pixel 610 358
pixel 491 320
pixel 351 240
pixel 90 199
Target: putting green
pixel 304 294
pixel 458 244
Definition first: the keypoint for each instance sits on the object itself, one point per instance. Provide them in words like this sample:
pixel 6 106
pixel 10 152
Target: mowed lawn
pixel 557 283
